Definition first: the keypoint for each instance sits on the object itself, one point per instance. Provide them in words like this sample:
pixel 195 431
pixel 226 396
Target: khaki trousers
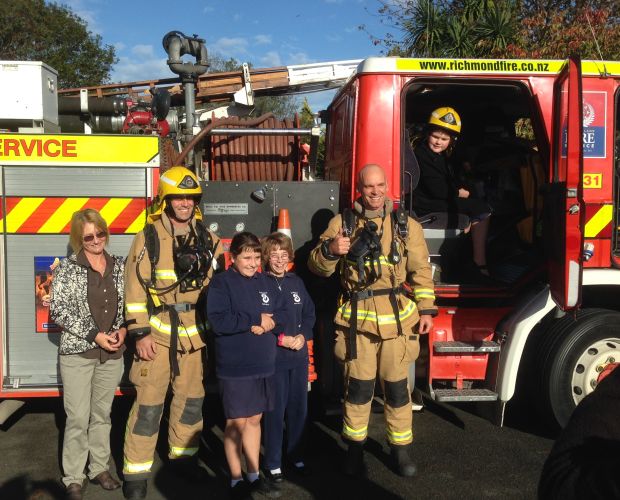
pixel 390 359
pixel 88 392
pixel 152 379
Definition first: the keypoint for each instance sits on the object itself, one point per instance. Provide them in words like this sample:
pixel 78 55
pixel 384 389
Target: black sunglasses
pixel 90 237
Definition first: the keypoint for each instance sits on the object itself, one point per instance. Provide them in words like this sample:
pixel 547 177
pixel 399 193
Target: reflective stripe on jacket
pixel 190 333
pixel 376 314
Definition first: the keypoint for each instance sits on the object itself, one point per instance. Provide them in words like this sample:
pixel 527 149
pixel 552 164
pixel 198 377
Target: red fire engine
pixel 538 138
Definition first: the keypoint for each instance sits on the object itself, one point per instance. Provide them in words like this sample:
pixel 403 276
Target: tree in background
pixel 33 30
pixel 501 28
pixel 281 106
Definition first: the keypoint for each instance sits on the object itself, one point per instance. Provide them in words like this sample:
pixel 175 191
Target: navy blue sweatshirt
pixel 235 304
pixel 299 319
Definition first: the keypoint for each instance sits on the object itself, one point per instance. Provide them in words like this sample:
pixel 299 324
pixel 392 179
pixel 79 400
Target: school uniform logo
pixel 296 297
pixel 264 297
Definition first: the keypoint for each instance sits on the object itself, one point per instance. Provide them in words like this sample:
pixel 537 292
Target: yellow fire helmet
pixel 173 182
pixel 446 118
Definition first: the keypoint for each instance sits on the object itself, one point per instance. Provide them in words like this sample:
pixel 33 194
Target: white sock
pixel 276 471
pixel 233 482
pixel 252 476
pixel 299 464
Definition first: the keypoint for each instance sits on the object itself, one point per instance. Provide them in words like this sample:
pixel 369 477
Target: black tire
pixel 569 340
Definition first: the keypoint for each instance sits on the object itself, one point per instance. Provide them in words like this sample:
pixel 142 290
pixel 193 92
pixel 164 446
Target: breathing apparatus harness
pixel 192 254
pixel 366 250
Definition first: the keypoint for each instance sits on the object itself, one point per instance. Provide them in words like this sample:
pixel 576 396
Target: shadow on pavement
pixel 24 488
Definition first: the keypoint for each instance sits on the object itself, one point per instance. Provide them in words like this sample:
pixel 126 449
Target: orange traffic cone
pixel 284 227
pixel 284 223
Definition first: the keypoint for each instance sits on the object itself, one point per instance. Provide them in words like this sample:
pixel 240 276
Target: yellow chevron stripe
pixel 137 225
pixel 61 217
pixel 20 213
pixel 113 208
pixel 598 222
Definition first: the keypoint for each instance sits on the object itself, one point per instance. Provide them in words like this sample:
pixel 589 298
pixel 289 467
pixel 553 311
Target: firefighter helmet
pixel 446 118
pixel 177 181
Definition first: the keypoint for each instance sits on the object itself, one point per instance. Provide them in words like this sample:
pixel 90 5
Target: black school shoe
pixel 303 470
pixel 262 487
pixel 240 491
pixel 277 477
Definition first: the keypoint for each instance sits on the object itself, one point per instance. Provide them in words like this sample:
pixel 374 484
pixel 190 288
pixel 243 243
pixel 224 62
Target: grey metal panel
pixel 33 357
pixel 310 204
pixel 74 181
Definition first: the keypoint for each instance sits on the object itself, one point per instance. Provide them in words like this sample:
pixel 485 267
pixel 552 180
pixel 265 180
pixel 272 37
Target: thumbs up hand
pixel 340 244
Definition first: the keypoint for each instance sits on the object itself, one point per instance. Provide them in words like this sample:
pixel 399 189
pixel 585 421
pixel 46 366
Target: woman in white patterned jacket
pixel 87 303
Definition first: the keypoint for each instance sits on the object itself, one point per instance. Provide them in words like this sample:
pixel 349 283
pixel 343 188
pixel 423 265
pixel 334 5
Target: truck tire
pixel 573 352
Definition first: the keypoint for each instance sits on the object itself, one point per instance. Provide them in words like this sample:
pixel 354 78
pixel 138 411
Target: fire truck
pixel 538 142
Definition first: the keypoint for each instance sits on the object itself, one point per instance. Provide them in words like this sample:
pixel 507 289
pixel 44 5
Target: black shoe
pixel 276 477
pixel 354 461
pixel 402 462
pixel 240 491
pixel 303 470
pixel 134 490
pixel 261 487
pixel 189 469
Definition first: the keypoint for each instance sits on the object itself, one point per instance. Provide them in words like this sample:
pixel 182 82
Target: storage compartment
pixel 28 97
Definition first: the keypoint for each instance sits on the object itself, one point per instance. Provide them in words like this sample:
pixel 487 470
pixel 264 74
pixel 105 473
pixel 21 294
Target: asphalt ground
pixel 458 454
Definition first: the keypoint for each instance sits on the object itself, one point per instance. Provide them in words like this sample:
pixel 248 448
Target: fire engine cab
pixel 538 143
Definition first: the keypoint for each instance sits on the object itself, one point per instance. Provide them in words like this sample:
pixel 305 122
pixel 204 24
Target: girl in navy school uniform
pixel 291 377
pixel 243 309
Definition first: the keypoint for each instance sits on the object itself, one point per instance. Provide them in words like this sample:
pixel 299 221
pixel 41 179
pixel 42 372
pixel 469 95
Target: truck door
pixel 564 208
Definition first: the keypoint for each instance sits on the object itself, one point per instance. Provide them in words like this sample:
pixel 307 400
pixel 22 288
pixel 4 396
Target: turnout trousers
pixel 152 379
pixel 390 360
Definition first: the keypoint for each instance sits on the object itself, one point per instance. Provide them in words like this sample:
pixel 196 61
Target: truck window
pixel 496 158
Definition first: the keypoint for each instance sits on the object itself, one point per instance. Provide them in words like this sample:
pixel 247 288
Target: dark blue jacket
pixel 234 305
pixel 299 319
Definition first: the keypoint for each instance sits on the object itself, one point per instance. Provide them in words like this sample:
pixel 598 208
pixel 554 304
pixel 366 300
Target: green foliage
pixel 502 28
pixel 33 30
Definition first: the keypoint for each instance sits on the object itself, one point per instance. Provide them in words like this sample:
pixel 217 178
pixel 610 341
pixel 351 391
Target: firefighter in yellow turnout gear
pixel 169 264
pixel 378 252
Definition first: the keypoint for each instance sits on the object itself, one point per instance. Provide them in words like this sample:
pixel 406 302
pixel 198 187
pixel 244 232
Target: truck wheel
pixel 572 354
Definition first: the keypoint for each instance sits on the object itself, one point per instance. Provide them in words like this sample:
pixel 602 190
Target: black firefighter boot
pixel 354 460
pixel 134 490
pixel 189 469
pixel 402 462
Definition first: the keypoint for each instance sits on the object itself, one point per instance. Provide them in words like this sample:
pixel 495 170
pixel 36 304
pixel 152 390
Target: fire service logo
pixel 594 122
pixel 594 118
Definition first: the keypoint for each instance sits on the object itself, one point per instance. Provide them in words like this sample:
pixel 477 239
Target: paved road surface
pixel 459 455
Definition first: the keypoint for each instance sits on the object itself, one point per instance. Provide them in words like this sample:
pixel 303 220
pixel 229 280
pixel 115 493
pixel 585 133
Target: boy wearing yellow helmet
pixel 438 189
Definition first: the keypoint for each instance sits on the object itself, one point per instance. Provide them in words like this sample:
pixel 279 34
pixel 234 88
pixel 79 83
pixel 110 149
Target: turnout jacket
pixel 69 304
pixel 191 332
pixel 375 314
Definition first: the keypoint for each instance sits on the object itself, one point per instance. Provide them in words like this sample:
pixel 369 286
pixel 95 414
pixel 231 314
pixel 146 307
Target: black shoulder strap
pixel 348 221
pixel 204 236
pixel 400 221
pixel 151 241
